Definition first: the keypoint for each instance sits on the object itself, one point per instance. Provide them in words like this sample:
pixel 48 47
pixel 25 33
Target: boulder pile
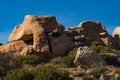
pixel 44 36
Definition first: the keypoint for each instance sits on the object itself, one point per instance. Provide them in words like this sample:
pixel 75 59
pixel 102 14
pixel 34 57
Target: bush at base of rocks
pixel 98 48
pixel 18 74
pixel 48 72
pixel 29 59
pixel 6 63
pixel 68 60
pixel 98 70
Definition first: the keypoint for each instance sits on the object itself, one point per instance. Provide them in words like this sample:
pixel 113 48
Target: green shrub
pixel 99 48
pixel 6 63
pixel 68 60
pixel 111 60
pixel 47 72
pixel 29 59
pixel 18 74
pixel 56 61
pixel 98 70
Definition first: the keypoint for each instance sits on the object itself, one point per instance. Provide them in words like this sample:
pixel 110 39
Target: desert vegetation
pixel 59 68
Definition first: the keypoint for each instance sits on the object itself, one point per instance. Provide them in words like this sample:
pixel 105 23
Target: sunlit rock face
pixel 88 57
pixel 40 35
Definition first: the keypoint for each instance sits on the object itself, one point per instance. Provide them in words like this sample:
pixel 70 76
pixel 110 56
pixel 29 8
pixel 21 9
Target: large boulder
pixel 94 30
pixel 15 48
pixel 59 45
pixel 88 57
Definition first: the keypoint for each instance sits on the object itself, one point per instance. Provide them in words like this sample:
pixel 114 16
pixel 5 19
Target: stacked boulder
pixel 88 31
pixel 44 36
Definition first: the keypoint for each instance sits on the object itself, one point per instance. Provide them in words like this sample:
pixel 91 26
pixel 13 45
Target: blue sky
pixel 67 12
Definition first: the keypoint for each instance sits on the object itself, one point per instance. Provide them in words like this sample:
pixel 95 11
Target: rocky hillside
pixel 45 37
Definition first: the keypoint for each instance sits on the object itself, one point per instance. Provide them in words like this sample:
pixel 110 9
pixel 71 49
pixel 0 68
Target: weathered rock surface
pixel 94 30
pixel 33 29
pixel 116 32
pixel 32 25
pixel 59 45
pixel 15 48
pixel 43 34
pixel 87 56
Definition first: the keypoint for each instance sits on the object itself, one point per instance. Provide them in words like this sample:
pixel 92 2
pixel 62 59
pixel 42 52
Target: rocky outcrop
pixel 43 34
pixel 33 24
pixel 86 32
pixel 94 30
pixel 34 28
pixel 59 45
pixel 88 57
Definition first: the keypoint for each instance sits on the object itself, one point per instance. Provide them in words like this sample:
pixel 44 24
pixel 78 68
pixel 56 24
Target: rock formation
pixel 34 28
pixel 43 34
pixel 95 31
pixel 88 57
pixel 88 31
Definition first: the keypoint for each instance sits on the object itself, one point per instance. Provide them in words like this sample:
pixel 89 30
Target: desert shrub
pixel 98 70
pixel 111 60
pixel 68 60
pixel 18 74
pixel 87 78
pixel 48 72
pixel 98 48
pixel 57 61
pixel 29 59
pixel 6 63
